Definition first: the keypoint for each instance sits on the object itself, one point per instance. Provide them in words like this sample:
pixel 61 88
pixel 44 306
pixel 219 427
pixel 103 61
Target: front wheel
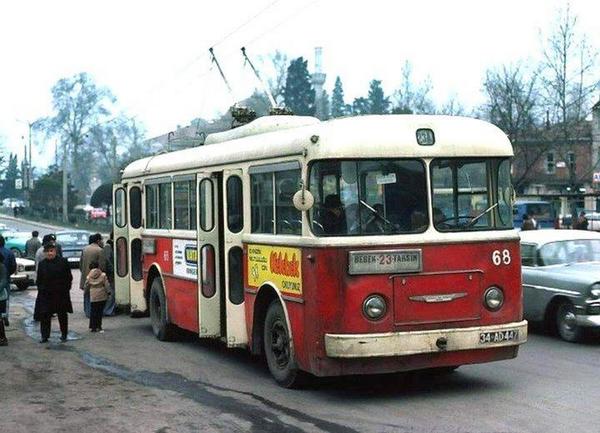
pixel 279 350
pixel 566 322
pixel 161 328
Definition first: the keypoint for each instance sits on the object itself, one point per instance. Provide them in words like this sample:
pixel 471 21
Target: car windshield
pixel 368 197
pixel 570 251
pixel 471 194
pixel 73 238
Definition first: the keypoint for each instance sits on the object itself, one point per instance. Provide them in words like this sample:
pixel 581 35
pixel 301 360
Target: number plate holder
pixel 385 261
pixel 495 337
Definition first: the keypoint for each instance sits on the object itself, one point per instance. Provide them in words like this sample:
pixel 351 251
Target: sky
pixel 153 55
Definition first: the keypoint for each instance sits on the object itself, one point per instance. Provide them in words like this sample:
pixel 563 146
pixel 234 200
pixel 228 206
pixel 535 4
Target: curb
pixel 43 225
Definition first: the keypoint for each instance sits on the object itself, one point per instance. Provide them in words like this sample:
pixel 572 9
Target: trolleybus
pixel 351 246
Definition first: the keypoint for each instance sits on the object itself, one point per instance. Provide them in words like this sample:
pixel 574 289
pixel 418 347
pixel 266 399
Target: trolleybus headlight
pixel 493 298
pixel 374 307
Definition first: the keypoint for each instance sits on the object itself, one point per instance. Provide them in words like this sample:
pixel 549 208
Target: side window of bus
pixel 184 194
pixel 152 206
pixel 206 205
pixel 164 206
pixel 235 204
pixel 261 202
pixel 135 207
pixel 288 218
pixel 120 208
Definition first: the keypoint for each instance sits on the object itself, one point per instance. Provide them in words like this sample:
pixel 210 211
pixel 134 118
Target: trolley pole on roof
pixel 216 62
pixel 262 83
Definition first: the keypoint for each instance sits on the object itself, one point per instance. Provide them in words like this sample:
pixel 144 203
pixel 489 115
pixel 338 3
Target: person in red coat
pixel 54 284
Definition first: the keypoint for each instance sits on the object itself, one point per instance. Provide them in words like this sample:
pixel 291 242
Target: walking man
pixel 54 284
pixel 32 245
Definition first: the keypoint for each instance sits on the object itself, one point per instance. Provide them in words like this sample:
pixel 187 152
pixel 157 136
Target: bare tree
pixel 276 65
pixel 453 107
pixel 568 83
pixel 411 97
pixel 513 105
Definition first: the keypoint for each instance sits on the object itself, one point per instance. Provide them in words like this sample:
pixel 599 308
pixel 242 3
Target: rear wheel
pixel 566 322
pixel 278 348
pixel 161 328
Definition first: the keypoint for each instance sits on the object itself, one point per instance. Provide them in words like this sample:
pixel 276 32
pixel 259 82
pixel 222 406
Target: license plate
pixel 73 259
pixel 498 336
pixel 384 262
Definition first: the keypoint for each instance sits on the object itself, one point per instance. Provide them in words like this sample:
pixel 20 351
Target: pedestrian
pixel 96 283
pixel 109 308
pixel 32 245
pixel 582 222
pixel 11 267
pixel 54 284
pixel 4 291
pixel 528 223
pixel 91 253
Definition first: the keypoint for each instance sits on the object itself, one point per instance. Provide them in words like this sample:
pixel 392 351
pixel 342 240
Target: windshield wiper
pixel 377 214
pixel 476 218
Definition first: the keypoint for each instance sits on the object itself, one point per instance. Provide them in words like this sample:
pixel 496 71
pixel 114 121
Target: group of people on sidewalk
pixel 579 223
pixel 54 280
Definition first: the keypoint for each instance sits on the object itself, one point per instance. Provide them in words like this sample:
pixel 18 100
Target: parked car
pixel 561 280
pixel 25 275
pixel 15 241
pixel 541 211
pixel 97 213
pixel 72 243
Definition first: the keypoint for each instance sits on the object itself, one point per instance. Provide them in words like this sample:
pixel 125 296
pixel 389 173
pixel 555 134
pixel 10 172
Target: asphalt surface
pixel 127 381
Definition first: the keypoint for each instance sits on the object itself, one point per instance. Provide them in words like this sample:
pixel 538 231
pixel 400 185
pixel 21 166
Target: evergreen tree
pixel 378 102
pixel 11 175
pixel 338 107
pixel 361 106
pixel 298 93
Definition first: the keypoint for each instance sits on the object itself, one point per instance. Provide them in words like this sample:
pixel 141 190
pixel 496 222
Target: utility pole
pixel 65 196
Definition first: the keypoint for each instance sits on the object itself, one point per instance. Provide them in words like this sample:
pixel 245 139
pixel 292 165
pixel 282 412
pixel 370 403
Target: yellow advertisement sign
pixel 280 265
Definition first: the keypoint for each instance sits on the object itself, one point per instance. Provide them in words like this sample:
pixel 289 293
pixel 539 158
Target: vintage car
pixel 561 280
pixel 15 241
pixel 25 275
pixel 72 243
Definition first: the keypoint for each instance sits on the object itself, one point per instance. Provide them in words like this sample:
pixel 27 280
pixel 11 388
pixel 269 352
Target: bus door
pixel 136 276
pixel 121 254
pixel 209 277
pixel 232 253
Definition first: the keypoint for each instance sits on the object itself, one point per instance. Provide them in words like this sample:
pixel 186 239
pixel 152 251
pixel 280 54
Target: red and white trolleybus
pixel 353 246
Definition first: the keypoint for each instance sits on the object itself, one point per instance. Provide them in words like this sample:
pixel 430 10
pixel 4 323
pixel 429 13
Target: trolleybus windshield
pixel 471 194
pixel 368 197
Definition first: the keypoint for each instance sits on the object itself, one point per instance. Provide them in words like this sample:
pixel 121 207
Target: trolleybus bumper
pixel 433 341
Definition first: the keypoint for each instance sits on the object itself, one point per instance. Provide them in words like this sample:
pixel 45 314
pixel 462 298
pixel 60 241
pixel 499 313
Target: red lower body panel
pixel 182 302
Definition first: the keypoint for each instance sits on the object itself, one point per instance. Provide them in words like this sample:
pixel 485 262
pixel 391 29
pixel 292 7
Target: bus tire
pixel 566 324
pixel 277 348
pixel 161 328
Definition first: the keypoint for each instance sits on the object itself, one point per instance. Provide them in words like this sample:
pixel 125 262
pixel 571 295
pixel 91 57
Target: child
pixel 97 283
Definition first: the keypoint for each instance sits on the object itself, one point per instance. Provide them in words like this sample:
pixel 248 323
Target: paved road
pixel 131 382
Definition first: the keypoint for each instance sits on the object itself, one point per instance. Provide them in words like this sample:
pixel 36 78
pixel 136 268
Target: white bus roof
pixel 376 136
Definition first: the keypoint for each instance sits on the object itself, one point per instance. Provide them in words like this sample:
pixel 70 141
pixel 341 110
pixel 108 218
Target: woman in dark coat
pixel 54 283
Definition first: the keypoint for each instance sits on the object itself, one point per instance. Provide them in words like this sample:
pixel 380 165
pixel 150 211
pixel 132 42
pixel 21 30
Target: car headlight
pixel 374 307
pixel 20 268
pixel 595 290
pixel 493 298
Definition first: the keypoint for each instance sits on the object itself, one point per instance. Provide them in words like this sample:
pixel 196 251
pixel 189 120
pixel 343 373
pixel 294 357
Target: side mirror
pixel 303 200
